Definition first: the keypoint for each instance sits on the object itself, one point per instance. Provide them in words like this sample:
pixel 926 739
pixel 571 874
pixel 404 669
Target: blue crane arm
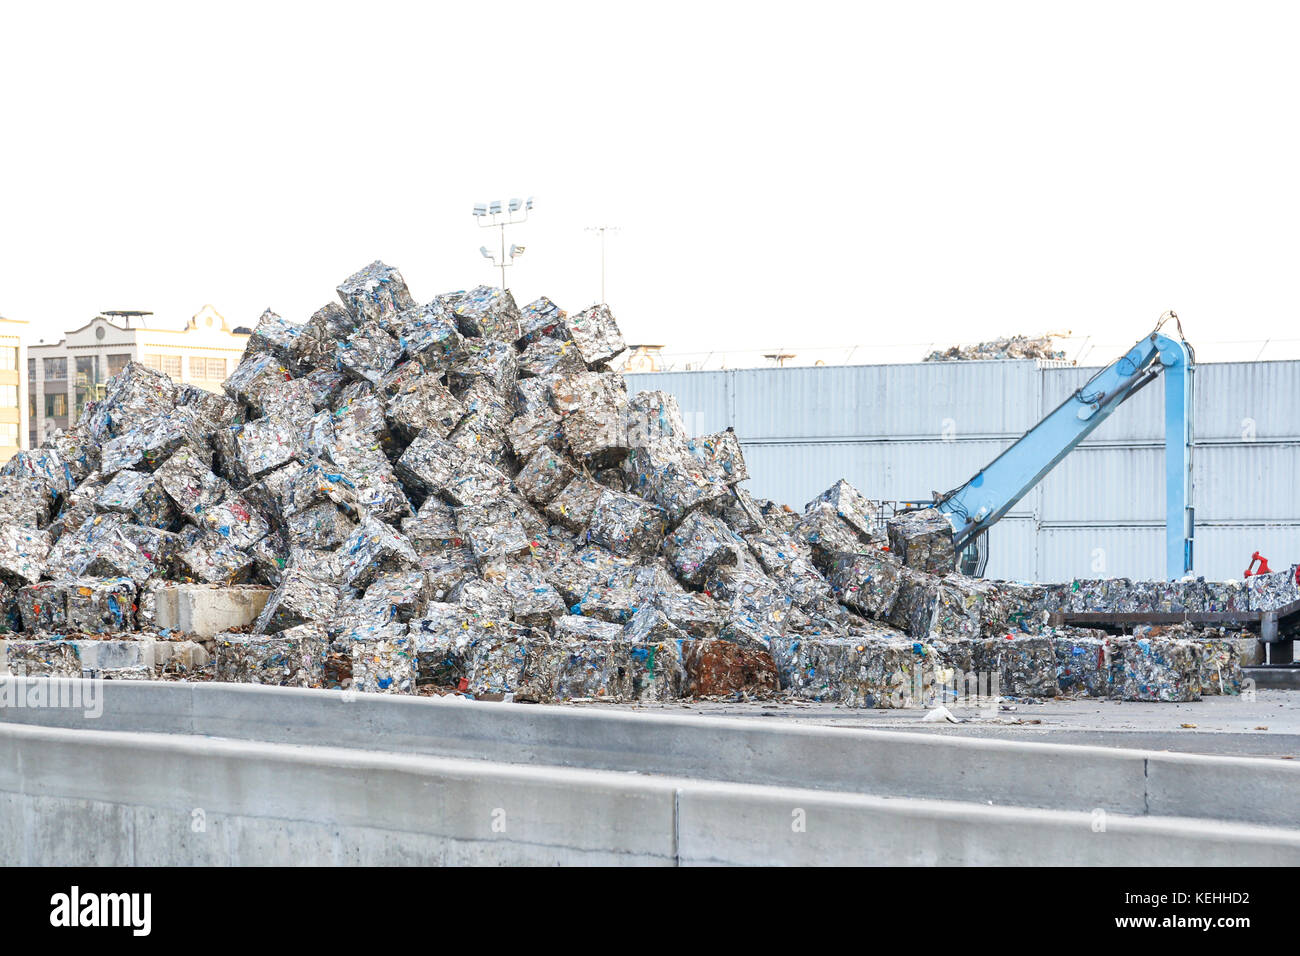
pixel 975 506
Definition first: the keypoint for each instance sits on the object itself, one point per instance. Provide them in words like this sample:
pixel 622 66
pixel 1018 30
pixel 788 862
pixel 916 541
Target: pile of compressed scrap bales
pixel 1011 347
pixel 461 497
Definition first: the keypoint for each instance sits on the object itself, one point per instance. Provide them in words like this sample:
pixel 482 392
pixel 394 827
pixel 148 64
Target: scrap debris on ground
pixel 1011 347
pixel 461 497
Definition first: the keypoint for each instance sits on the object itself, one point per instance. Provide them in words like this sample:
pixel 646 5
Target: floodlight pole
pixel 505 217
pixel 602 230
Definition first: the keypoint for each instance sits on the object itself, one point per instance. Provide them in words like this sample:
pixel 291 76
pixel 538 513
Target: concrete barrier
pixel 205 610
pixel 83 797
pixel 850 760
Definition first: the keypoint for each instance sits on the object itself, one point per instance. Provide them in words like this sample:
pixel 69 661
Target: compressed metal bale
pixel 913 609
pixel 571 393
pixel 923 540
pixel 573 627
pixel 867 582
pixel 135 393
pixel 662 472
pixel 652 416
pixel 888 674
pixel 139 496
pixel 575 504
pixel 234 519
pixel 435 466
pixel 301 598
pixel 215 560
pixel 486 360
pixel 42 658
pixel 1269 592
pixel 544 476
pixel 78 451
pixel 485 312
pixel 369 353
pixel 717 668
pixel 153 440
pixel 256 373
pixel 43 607
pixel 758 607
pixel 425 404
pixel 322 527
pixel 268 443
pixel 277 336
pixel 1026 665
pixel 26 501
pixel 430 337
pixel 529 432
pixel 967 607
pixel 698 615
pixel 721 456
pixel 288 659
pixel 372 548
pixel 539 320
pixel 446 568
pixel 1220 663
pixel 533 601
pixel 549 356
pixel 433 528
pixel 649 625
pixel 1154 669
pixel 626 525
pixel 595 334
pixel 100 605
pixel 384 666
pixel 852 507
pixel 492 530
pixel 788 561
pixel 190 484
pixel 43 465
pixel 326 384
pixel 377 293
pixel 530 394
pixel 699 546
pixel 23 553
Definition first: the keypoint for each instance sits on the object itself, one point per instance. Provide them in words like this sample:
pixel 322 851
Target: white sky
pixel 793 175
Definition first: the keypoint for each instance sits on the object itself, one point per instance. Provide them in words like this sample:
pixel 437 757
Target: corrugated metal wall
pixel 904 431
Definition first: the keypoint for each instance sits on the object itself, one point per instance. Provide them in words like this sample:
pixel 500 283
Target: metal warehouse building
pixel 904 431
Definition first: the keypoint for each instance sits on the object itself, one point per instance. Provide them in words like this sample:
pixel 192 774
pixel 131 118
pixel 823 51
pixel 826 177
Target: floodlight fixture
pixel 516 205
pixel 484 250
pixel 495 208
pixel 480 210
pixel 516 251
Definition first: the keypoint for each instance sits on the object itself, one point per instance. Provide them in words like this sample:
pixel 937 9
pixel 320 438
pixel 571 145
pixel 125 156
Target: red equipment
pixel 1263 567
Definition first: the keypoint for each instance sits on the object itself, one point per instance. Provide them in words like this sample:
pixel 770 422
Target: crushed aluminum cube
pixel 867 582
pixel 1271 592
pixel 543 477
pixel 275 335
pixel 573 627
pixel 77 450
pixel 652 416
pixel 101 605
pixel 234 519
pixel 852 507
pixel 626 524
pixel 551 357
pixel 268 443
pixel 43 608
pixel 570 393
pixel 1025 664
pixel 721 456
pixel 438 467
pixel 384 666
pixel 369 353
pixel 649 625
pixel 43 658
pixel 430 337
pixel 425 404
pixel 664 473
pixel 538 320
pixel 786 560
pixel 372 548
pixel 291 658
pixel 135 393
pixel 595 333
pixel 44 465
pixel 857 672
pixel 153 441
pixel 489 361
pixel 190 484
pixel 301 598
pixel 256 373
pixel 574 506
pixel 216 561
pixel 322 527
pixel 529 432
pixel 140 496
pixel 27 501
pixel 533 602
pixel 597 434
pixel 923 540
pixel 377 294
pixel 492 530
pixel 758 607
pixel 701 545
pixel 489 313
pixel 23 552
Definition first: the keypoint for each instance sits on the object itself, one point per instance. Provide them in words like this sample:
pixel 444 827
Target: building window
pixel 31 405
pixel 31 368
pixel 8 433
pixel 56 405
pixel 213 369
pixel 117 362
pixel 8 396
pixel 171 366
pixel 56 368
pixel 88 370
pixel 8 359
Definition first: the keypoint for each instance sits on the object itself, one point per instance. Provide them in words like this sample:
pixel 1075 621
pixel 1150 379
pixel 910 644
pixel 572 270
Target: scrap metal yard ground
pixel 1268 726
